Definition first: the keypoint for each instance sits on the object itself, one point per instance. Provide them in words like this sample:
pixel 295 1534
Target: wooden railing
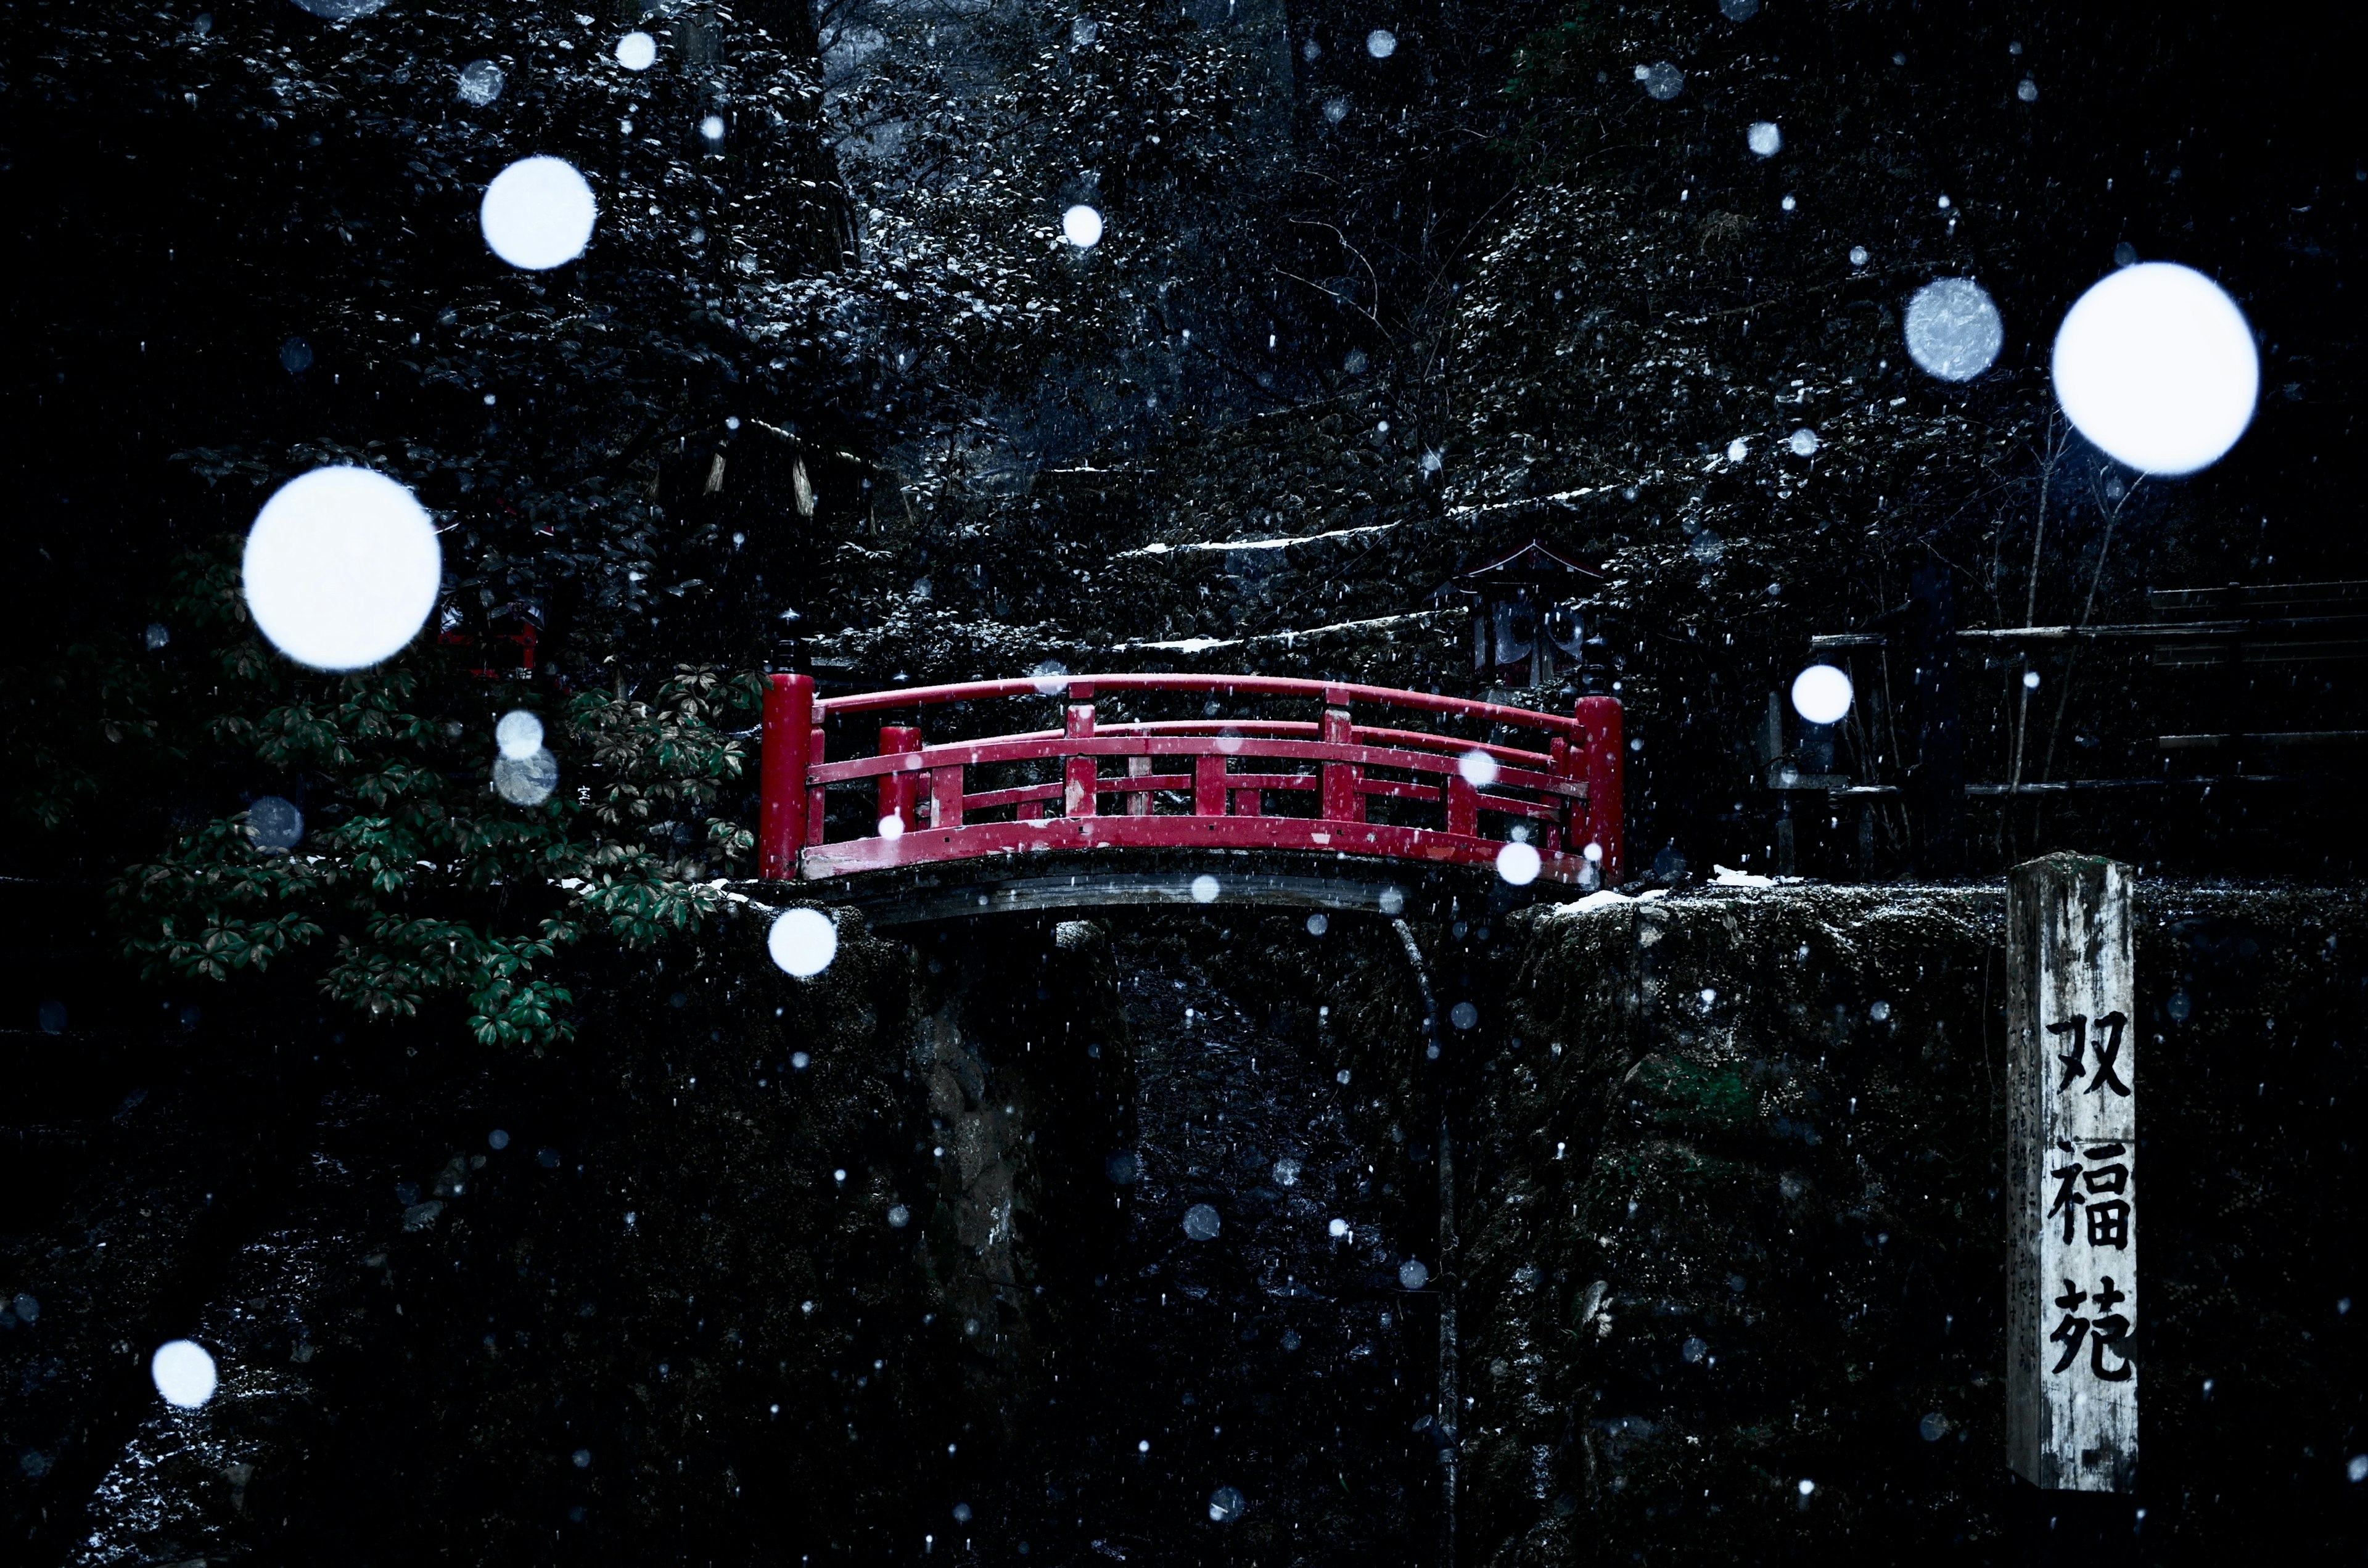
pixel 1329 784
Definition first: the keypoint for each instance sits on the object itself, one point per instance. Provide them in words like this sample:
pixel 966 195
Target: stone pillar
pixel 2072 1312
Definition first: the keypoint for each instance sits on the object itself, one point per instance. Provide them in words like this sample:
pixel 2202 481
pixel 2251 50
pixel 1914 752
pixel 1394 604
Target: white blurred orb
pixel 341 568
pixel 184 1373
pixel 1381 43
pixel 1821 694
pixel 1662 81
pixel 1479 770
pixel 637 51
pixel 519 734
pixel 1226 1505
pixel 2157 366
pixel 1764 138
pixel 526 780
pixel 1803 442
pixel 712 128
pixel 1953 329
pixel 1204 889
pixel 802 942
pixel 481 83
pixel 892 827
pixel 538 213
pixel 1201 1223
pixel 1414 1274
pixel 1082 227
pixel 1519 864
pixel 273 822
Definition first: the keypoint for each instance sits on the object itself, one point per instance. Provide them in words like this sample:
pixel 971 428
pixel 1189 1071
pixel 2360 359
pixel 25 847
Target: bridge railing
pixel 1329 784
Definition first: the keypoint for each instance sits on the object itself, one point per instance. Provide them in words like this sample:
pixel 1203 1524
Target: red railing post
pixel 1343 802
pixel 1207 786
pixel 896 789
pixel 1600 765
pixel 788 728
pixel 1081 775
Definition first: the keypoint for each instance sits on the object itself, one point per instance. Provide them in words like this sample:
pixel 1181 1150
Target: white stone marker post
pixel 2072 1292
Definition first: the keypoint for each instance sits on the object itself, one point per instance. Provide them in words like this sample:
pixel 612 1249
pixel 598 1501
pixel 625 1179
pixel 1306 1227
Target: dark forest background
pixel 830 392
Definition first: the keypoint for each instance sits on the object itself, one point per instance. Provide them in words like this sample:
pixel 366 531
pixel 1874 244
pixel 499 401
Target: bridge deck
pixel 1329 787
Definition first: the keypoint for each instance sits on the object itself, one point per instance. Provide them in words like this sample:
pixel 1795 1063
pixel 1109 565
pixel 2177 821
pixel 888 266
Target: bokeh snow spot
pixel 341 568
pixel 519 735
pixel 538 213
pixel 637 51
pixel 184 1373
pixel 1953 329
pixel 1821 694
pixel 802 942
pixel 1519 864
pixel 1082 227
pixel 1201 1223
pixel 481 83
pixel 274 824
pixel 526 780
pixel 1764 138
pixel 2157 366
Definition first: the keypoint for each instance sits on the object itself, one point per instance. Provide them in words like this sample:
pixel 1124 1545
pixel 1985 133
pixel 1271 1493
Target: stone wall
pixel 1735 1259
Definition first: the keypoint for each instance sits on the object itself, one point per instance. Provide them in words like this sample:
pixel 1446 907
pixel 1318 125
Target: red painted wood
pixel 1343 802
pixel 898 740
pixel 946 800
pixel 781 773
pixel 818 825
pixel 1081 689
pixel 1573 786
pixel 975 753
pixel 1602 766
pixel 980 840
pixel 1209 786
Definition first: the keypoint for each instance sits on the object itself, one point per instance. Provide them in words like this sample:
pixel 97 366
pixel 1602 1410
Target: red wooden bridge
pixel 1331 787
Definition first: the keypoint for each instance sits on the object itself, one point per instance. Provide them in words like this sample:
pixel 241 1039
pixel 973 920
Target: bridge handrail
pixel 928 813
pixel 1085 688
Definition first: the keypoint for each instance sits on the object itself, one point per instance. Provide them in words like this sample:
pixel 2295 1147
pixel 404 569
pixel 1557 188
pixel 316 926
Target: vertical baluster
pixel 817 817
pixel 1558 763
pixel 945 796
pixel 1209 786
pixel 1081 778
pixel 896 789
pixel 1463 805
pixel 1343 800
pixel 1138 804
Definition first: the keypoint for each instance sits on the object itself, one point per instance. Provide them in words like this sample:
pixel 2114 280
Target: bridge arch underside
pixel 1092 879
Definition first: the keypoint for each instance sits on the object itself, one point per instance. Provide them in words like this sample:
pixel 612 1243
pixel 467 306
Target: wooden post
pixel 1604 765
pixel 1341 798
pixel 1081 785
pixel 2072 1302
pixel 781 775
pixel 896 789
